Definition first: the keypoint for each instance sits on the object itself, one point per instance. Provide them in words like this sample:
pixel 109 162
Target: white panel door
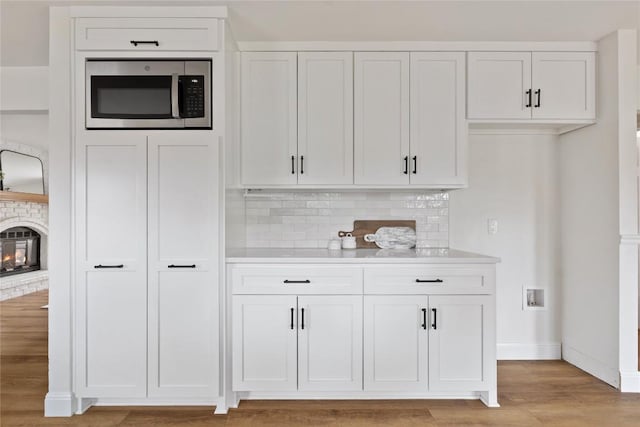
pixel 111 283
pixel 330 343
pixel 269 118
pixel 325 118
pixel 264 343
pixel 498 85
pixel 458 342
pixel 183 265
pixel 381 118
pixel 395 343
pixel 564 85
pixel 438 125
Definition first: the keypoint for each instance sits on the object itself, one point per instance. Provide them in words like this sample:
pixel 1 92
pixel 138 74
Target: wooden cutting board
pixel 362 227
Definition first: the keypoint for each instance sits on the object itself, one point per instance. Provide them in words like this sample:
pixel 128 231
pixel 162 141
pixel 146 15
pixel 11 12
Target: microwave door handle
pixel 175 109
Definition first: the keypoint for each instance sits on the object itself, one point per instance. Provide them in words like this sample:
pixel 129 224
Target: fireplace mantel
pixel 24 197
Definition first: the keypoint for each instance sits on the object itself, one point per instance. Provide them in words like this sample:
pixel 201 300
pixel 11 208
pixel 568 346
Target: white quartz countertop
pixel 356 256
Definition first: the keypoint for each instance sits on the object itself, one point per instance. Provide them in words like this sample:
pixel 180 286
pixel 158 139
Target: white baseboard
pixel 59 404
pixel 548 351
pixel 630 382
pixel 591 366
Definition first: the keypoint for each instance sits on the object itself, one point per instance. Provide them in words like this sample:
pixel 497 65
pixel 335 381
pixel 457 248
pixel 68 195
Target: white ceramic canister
pixel 348 242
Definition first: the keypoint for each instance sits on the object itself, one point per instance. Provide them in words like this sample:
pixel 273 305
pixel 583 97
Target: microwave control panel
pixel 192 97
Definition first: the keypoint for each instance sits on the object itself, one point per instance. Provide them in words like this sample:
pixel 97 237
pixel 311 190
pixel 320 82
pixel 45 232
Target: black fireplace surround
pixel 19 251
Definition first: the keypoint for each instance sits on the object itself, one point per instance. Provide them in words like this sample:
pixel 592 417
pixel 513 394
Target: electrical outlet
pixel 492 226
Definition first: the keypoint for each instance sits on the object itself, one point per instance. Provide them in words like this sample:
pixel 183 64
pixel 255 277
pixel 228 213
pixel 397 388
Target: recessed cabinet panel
pixel 457 342
pixel 325 118
pixel 497 85
pixel 381 118
pixel 269 118
pixel 264 343
pixel 183 265
pixel 438 127
pixel 330 343
pixel 395 343
pixel 563 85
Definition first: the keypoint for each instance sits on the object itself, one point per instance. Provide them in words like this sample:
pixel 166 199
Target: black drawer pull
pixel 108 266
pixel 415 165
pixel 528 93
pixel 137 42
pixel 303 318
pixel 297 281
pixel 538 94
pixel 434 325
pixel 292 317
pixel 429 281
pixel 424 319
pixel 406 165
pixel 293 165
pixel 301 165
pixel 181 266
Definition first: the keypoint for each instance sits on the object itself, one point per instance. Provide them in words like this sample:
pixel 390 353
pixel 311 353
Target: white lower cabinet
pixel 431 336
pixel 288 342
pixel 395 343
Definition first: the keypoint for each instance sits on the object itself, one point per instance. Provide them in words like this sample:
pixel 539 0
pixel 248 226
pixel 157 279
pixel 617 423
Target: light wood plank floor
pixel 531 393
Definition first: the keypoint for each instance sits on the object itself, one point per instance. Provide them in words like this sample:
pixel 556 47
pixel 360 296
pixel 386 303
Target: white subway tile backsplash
pixel 294 219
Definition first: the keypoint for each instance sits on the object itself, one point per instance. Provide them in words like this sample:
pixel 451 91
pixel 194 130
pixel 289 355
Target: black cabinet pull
pixel 406 165
pixel 429 281
pixel 292 310
pixel 434 325
pixel 415 165
pixel 293 165
pixel 302 323
pixel 137 42
pixel 181 266
pixel 297 281
pixel 538 95
pixel 301 164
pixel 108 266
pixel 424 319
pixel 528 98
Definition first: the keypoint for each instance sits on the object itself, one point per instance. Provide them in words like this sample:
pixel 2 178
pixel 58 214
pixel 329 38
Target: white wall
pixel 592 222
pixel 513 178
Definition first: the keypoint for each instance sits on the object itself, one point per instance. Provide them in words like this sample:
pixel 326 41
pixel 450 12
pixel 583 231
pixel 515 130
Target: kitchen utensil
pixel 362 227
pixel 393 238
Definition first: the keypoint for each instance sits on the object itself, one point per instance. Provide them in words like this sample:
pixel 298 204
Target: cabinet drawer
pixel 164 34
pixel 295 279
pixel 429 280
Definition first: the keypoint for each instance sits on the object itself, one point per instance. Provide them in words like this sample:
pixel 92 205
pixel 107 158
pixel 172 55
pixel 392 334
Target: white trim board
pixel 591 366
pixel 519 351
pixel 147 12
pixel 371 46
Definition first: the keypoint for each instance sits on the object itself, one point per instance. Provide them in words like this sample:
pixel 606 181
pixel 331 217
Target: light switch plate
pixel 492 226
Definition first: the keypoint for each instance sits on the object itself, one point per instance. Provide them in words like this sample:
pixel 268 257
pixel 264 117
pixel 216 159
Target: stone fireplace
pixel 23 237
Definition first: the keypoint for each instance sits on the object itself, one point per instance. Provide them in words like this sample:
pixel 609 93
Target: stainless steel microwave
pixel 148 94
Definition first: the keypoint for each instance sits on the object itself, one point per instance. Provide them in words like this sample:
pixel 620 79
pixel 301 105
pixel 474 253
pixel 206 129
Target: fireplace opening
pixel 19 251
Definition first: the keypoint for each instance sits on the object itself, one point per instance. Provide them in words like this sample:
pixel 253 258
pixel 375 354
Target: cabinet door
pixel 183 265
pixel 438 124
pixel 497 85
pixel 330 343
pixel 459 343
pixel 269 118
pixel 111 283
pixel 381 118
pixel 563 85
pixel 395 343
pixel 264 343
pixel 325 118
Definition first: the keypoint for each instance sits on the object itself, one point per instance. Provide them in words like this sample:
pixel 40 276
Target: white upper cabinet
pixel 183 265
pixel 499 85
pixel 325 118
pixel 525 85
pixel 563 85
pixel 269 118
pixel 147 34
pixel 438 147
pixel 381 118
